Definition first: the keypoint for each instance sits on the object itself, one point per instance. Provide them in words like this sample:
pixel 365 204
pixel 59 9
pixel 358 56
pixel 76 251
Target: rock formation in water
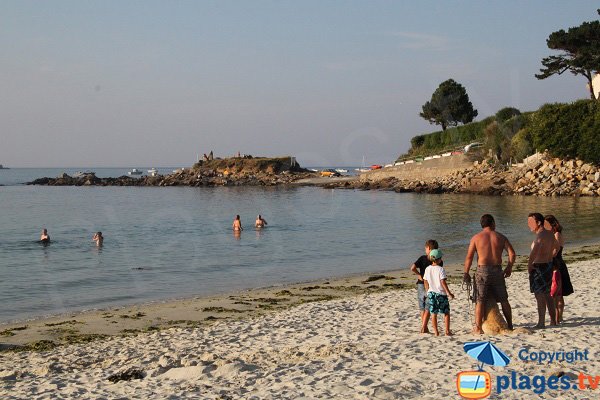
pixel 235 171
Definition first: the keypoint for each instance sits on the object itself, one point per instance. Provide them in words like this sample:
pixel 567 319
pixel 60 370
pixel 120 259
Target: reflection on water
pixel 173 242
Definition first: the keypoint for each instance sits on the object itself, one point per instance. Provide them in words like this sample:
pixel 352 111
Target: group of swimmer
pixel 97 238
pixel 549 278
pixel 237 223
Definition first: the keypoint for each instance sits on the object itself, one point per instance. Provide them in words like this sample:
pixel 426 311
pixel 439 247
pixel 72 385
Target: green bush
pixel 520 145
pixel 507 113
pixel 565 130
pixel 568 130
pixel 450 139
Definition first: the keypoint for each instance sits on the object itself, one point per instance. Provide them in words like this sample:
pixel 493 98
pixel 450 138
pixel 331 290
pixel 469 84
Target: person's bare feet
pixel 539 326
pixel 477 331
pixel 449 333
pixel 425 330
pixel 436 333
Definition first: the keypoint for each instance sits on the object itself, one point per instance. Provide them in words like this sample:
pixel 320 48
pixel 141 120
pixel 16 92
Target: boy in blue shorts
pixel 437 292
pixel 418 268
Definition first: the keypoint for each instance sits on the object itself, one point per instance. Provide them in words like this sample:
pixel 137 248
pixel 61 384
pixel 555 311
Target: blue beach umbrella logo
pixel 478 384
pixel 486 353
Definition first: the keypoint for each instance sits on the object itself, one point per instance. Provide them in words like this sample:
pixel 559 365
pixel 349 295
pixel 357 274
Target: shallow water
pixel 163 243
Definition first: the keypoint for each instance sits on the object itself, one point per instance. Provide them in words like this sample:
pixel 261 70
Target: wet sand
pixel 354 337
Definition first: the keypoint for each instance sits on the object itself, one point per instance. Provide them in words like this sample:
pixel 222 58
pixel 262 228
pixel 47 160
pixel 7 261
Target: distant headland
pixel 243 170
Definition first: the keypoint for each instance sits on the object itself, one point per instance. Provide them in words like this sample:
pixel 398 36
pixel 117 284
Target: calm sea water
pixel 163 243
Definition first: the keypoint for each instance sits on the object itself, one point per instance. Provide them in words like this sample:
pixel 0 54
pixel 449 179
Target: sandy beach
pixel 326 343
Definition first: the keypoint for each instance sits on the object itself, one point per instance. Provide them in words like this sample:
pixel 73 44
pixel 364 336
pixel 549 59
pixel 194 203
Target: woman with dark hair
pixel 237 224
pixel 552 224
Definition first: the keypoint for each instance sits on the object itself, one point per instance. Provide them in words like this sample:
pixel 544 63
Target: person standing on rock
pixel 539 266
pixel 490 278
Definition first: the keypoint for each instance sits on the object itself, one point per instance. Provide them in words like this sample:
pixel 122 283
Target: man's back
pixel 489 246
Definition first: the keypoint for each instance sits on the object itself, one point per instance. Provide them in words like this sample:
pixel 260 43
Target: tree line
pixel 511 134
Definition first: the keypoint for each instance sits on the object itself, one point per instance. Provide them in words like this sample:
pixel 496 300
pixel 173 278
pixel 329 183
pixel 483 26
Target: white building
pixel 596 85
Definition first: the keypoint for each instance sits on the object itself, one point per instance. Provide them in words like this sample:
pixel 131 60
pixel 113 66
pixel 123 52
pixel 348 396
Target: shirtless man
pixel 237 224
pixel 260 222
pixel 539 266
pixel 44 237
pixel 490 278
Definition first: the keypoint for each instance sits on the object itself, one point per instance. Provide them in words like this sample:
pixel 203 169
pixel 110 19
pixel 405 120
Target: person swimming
pixel 44 237
pixel 98 238
pixel 260 222
pixel 237 224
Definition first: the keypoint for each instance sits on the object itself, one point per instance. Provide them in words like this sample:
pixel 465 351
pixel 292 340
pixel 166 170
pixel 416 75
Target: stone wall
pixel 421 171
pixel 540 176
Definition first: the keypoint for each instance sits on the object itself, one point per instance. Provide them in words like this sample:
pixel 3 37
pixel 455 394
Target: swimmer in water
pixel 237 224
pixel 44 237
pixel 98 238
pixel 260 222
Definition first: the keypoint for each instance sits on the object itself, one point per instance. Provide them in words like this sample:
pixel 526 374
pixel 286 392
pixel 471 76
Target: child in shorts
pixel 437 292
pixel 418 268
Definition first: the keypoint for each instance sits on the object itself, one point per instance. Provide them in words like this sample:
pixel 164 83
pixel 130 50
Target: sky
pixel 157 83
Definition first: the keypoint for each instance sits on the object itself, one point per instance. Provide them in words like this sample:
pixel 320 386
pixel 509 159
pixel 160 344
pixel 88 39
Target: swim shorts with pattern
pixel 490 283
pixel 540 279
pixel 438 303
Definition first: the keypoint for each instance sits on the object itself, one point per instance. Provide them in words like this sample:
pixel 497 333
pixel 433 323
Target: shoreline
pixel 46 332
pixel 364 346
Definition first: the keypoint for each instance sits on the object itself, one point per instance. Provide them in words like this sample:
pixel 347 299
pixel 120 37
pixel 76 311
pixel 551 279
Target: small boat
pixel 313 170
pixel 364 167
pixel 3 167
pixel 376 166
pixel 152 172
pixel 135 171
pixel 341 170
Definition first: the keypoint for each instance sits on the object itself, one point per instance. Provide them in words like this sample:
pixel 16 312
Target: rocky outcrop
pixel 556 177
pixel 546 176
pixel 218 172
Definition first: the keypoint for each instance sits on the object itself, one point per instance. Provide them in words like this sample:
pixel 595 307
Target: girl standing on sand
pixel 552 224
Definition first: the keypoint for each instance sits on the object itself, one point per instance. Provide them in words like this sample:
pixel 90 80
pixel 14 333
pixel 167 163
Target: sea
pixel 164 243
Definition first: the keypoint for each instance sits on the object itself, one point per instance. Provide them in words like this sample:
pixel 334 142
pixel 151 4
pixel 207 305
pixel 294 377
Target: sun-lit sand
pixel 364 347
